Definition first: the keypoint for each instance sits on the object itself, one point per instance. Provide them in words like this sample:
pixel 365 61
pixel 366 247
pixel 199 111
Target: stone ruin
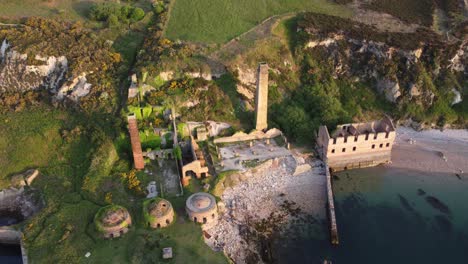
pixel 158 212
pixel 113 221
pixel 357 145
pixel 201 208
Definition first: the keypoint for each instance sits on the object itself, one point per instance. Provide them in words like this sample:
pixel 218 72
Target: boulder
pixel 414 90
pixel 457 98
pixel 390 89
pixel 25 178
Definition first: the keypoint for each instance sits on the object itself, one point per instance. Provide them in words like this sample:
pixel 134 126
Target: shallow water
pixel 388 215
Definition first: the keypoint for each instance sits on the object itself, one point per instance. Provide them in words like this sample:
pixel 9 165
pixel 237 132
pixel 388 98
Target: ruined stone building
pixel 135 141
pixel 133 89
pixel 201 208
pixel 357 145
pixel 193 160
pixel 261 98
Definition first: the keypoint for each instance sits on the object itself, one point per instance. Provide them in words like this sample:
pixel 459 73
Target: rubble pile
pixel 263 194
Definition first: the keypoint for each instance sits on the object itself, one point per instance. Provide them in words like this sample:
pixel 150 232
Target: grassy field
pixel 31 139
pixel 65 9
pixel 76 172
pixel 217 21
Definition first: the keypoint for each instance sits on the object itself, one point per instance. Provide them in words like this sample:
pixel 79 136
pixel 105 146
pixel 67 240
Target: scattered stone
pixel 152 190
pixel 167 253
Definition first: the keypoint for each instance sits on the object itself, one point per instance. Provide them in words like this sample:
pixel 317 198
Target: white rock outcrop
pixel 390 89
pixel 20 73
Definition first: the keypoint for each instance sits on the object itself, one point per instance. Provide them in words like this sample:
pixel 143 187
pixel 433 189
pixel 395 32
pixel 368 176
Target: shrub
pixel 114 12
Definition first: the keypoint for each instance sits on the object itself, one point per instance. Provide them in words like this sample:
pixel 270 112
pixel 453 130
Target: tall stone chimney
pixel 261 99
pixel 136 144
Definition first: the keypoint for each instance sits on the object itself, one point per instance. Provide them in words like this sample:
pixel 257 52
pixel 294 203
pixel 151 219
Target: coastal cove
pixel 407 216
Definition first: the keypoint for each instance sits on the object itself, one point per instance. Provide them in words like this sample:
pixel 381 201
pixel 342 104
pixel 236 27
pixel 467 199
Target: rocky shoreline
pixel 260 208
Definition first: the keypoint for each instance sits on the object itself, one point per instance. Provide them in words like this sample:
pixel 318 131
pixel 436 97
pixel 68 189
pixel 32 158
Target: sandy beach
pixel 431 150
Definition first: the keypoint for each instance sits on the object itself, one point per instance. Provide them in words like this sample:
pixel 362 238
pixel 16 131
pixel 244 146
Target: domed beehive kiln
pixel 158 212
pixel 201 208
pixel 112 221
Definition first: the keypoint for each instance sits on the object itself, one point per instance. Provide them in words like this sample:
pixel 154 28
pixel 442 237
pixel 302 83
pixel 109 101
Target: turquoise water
pixel 388 215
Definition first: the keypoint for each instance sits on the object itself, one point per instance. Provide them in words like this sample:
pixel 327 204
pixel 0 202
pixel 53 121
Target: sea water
pixel 387 215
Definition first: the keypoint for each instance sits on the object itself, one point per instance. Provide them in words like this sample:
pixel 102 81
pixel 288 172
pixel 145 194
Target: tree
pixel 137 14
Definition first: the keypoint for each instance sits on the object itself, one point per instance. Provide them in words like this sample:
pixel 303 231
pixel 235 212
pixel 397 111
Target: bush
pixel 114 13
pixel 137 14
pixel 112 21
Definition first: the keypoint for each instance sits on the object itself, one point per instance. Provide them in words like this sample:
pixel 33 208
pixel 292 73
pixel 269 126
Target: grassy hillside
pixel 217 21
pixel 66 9
pixel 39 134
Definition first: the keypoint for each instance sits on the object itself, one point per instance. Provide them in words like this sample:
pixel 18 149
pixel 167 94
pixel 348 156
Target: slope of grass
pixel 29 139
pixel 217 21
pixel 64 9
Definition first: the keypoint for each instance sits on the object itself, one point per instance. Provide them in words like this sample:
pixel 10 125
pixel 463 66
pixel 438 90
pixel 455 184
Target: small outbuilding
pixel 112 221
pixel 201 208
pixel 158 212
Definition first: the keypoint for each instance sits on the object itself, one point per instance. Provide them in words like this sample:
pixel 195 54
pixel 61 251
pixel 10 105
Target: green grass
pixel 64 9
pixel 32 139
pixel 218 21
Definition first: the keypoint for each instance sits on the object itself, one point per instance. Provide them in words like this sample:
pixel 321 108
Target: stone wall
pixel 363 150
pixel 255 135
pixel 261 98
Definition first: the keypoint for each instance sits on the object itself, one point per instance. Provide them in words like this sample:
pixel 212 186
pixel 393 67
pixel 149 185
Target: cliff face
pixel 22 72
pixel 399 72
pixel 58 61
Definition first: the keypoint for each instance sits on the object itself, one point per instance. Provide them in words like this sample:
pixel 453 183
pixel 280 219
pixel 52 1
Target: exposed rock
pixel 457 98
pixel 25 178
pixel 414 90
pixel 21 73
pixel 417 53
pixel 166 75
pixel 203 75
pixel 22 203
pixel 246 76
pixel 326 42
pixel 460 59
pixel 78 87
pixel 390 89
pixel 245 92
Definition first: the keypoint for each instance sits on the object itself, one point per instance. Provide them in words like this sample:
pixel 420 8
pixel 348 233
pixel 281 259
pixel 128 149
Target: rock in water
pixel 437 204
pixel 443 223
pixel 404 202
pixel 421 192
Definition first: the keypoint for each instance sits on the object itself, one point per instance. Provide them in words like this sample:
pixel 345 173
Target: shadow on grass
pixel 82 8
pixel 227 83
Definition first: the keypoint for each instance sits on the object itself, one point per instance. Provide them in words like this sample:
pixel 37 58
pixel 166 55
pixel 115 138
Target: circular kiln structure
pixel 112 221
pixel 201 208
pixel 158 212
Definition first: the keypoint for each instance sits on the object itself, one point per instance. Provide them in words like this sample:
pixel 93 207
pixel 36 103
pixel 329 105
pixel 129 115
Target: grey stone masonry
pixel 261 99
